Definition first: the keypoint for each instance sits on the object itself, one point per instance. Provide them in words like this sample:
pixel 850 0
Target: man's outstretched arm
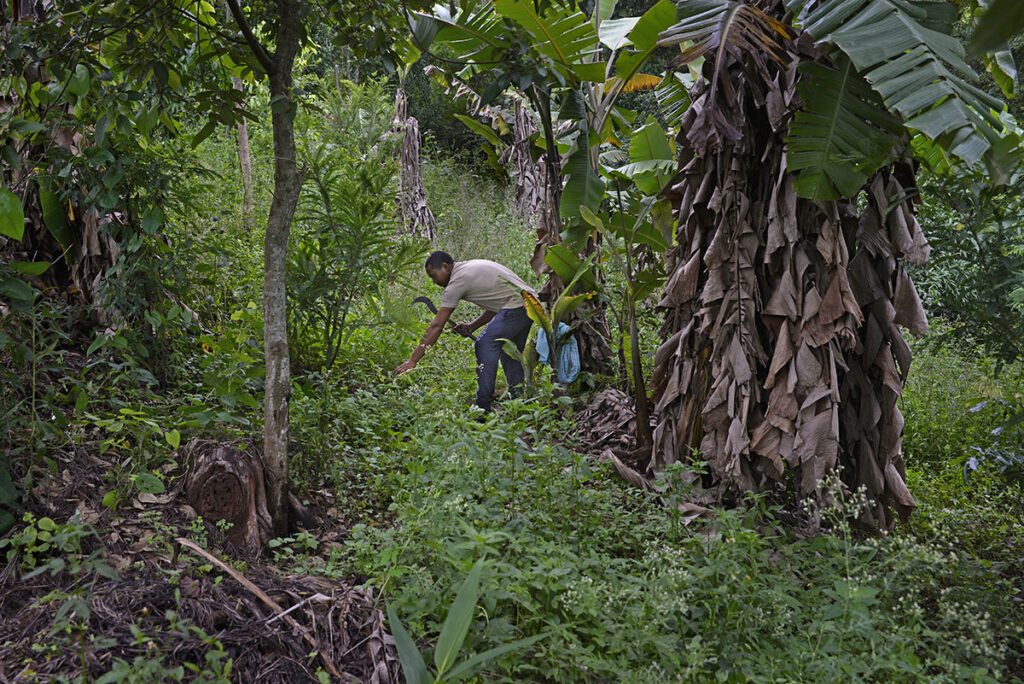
pixel 429 338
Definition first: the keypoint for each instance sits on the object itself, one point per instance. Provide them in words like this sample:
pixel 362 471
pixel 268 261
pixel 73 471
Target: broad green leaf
pixel 24 126
pixel 482 129
pixel 78 84
pixel 173 438
pixel 12 215
pixel 566 304
pixel 583 187
pixel 673 95
pixel 30 268
pixel 646 282
pixel 590 217
pixel 658 18
pixel 456 624
pixel 649 142
pixel 615 32
pixel 573 106
pixel 603 11
pixel 1003 20
pixel 650 176
pixel 565 35
pixel 207 130
pixel 413 667
pixel 920 72
pixel 644 232
pixel 663 221
pixel 566 266
pixel 152 219
pixel 1001 66
pixel 474 33
pixel 644 37
pixel 468 666
pixel 841 135
pixel 149 484
pixel 17 290
pixel 54 217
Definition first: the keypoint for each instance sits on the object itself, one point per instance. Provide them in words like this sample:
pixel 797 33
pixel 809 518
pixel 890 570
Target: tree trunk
pixel 287 184
pixel 244 157
pixel 245 163
pixel 782 359
pixel 412 196
pixel 225 483
pixel 527 174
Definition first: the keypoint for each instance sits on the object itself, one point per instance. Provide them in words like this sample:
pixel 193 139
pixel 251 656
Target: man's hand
pixel 405 367
pixel 464 329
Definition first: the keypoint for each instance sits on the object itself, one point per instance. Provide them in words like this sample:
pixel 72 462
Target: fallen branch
pixel 262 596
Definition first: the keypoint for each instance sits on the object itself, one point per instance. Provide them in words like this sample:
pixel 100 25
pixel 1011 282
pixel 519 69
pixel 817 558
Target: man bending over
pixel 488 285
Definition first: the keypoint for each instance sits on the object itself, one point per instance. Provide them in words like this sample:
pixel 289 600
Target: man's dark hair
pixel 438 259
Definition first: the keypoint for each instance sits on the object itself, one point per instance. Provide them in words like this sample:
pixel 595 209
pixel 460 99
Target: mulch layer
pixel 178 601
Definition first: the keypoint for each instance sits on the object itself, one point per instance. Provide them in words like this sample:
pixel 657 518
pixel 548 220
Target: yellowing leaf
pixel 535 310
pixel 636 82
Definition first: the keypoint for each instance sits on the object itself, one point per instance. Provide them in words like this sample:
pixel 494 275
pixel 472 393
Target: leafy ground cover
pixel 625 590
pixel 615 584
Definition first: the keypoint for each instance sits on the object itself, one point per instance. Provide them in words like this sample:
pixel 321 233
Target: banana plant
pixel 581 286
pixel 571 67
pixel 450 640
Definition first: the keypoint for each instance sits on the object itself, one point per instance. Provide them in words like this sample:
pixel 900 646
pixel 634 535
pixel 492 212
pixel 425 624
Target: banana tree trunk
pixel 782 359
pixel 245 165
pixel 417 218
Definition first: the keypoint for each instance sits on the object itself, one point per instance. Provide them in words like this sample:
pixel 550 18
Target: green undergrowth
pixel 614 581
pixel 619 586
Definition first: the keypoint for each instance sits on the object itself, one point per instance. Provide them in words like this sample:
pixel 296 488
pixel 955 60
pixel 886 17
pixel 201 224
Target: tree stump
pixel 225 483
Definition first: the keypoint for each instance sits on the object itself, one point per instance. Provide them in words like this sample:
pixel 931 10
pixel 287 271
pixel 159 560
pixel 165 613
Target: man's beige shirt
pixel 485 283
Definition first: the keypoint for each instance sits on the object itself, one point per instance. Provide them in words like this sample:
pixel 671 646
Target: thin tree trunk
pixel 244 157
pixel 287 183
pixel 593 334
pixel 245 162
pixel 643 420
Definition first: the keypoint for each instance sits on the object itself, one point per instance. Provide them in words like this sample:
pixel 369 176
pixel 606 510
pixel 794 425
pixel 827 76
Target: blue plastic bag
pixel 568 354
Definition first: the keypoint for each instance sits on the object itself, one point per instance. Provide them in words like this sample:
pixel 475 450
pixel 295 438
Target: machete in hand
pixel 425 301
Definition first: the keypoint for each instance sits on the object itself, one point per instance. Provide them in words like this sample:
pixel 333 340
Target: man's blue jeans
pixel 508 324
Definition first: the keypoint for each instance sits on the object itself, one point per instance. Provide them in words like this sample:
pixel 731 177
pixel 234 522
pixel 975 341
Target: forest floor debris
pixel 140 587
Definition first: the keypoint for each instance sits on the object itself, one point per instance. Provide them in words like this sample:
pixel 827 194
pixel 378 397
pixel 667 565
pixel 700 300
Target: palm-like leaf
pixel 723 27
pixel 841 136
pixel 475 32
pixel 919 72
pixel 673 95
pixel 583 187
pixel 565 35
pixel 1002 20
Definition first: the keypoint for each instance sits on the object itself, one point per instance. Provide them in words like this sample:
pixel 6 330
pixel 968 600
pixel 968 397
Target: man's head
pixel 439 267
